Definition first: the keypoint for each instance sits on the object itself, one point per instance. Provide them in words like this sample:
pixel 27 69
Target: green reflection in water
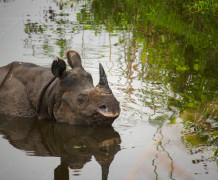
pixel 175 43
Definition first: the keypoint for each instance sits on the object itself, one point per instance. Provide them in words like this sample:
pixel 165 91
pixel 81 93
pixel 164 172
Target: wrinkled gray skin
pixel 70 98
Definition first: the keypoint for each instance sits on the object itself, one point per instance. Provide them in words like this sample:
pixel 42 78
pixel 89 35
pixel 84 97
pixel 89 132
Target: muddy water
pixel 156 81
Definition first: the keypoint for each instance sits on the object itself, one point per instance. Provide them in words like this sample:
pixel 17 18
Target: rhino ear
pixel 58 68
pixel 73 59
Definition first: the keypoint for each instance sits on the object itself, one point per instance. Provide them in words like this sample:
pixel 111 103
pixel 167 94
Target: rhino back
pixel 20 87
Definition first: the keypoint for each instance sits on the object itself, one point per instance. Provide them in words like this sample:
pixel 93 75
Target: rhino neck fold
pixel 41 103
pixel 42 93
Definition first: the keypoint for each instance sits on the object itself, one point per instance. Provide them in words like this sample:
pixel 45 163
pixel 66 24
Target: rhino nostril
pixel 103 107
pixel 107 112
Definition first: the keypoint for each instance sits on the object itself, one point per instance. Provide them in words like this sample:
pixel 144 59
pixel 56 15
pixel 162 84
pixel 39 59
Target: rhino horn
pixel 103 86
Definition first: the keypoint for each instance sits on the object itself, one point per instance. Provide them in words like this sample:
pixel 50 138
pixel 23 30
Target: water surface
pixel 161 66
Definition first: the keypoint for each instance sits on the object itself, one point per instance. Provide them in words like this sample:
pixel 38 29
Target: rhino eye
pixel 81 98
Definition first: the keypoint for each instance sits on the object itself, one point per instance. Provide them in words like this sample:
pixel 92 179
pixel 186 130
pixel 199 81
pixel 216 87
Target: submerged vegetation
pixel 175 43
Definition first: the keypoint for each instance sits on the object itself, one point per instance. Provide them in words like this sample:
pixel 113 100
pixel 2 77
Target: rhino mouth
pixel 101 119
pixel 107 114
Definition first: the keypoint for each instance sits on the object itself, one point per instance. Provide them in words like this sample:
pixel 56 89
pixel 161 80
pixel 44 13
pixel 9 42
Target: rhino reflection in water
pixel 28 90
pixel 75 145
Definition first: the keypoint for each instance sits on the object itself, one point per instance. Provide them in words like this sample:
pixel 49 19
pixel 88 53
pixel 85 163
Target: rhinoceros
pixel 57 94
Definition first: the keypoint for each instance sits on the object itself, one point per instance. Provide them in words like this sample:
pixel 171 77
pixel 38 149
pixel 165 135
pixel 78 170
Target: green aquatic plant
pixel 198 131
pixel 204 7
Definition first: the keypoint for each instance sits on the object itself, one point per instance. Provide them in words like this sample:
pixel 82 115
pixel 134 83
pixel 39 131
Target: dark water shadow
pixel 75 145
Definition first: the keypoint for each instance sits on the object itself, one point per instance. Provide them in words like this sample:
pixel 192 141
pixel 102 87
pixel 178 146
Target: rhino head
pixel 77 100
